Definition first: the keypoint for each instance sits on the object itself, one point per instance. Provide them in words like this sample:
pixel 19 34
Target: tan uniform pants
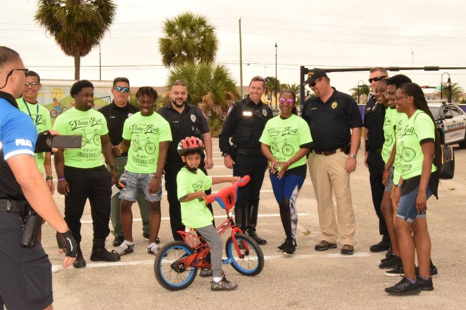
pixel 329 176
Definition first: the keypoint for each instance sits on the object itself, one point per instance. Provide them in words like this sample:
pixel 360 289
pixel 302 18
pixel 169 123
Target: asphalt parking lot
pixel 307 280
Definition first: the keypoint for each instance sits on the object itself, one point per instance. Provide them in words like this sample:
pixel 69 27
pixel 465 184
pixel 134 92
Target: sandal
pixel 153 249
pixel 124 249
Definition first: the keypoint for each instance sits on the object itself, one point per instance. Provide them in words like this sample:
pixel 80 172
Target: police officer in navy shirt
pixel 25 273
pixel 116 114
pixel 374 117
pixel 185 120
pixel 244 124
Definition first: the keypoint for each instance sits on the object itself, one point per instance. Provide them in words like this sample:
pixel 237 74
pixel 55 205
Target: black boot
pixel 79 262
pixel 252 223
pixel 99 253
pixel 241 217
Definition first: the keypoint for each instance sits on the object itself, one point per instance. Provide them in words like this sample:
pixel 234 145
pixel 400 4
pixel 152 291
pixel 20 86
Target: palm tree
pixel 295 88
pixel 189 39
pixel 360 90
pixel 456 91
pixel 272 87
pixel 76 25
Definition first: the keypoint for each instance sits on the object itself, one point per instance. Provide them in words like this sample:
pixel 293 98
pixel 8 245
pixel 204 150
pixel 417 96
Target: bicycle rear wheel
pixel 252 262
pixel 169 272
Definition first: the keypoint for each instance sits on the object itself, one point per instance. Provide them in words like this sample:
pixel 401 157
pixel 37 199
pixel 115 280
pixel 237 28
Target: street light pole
pixel 100 64
pixel 276 78
pixel 360 86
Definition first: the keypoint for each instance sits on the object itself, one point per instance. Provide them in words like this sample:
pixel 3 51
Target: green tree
pixel 272 87
pixel 294 88
pixel 189 39
pixel 456 91
pixel 211 87
pixel 76 25
pixel 360 90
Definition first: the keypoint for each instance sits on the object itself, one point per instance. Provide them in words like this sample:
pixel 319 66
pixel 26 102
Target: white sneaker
pixel 55 269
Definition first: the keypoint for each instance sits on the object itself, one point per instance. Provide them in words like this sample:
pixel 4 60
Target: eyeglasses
pixel 398 98
pixel 288 101
pixel 32 84
pixel 377 78
pixel 124 89
pixel 389 93
pixel 313 84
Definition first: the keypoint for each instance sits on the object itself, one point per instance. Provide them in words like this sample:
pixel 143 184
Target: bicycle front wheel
pixel 252 262
pixel 170 273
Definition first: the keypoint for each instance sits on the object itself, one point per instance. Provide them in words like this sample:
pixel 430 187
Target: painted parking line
pixel 216 216
pixel 267 257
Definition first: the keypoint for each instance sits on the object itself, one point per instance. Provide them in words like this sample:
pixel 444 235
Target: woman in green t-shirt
pixel 286 140
pixel 418 146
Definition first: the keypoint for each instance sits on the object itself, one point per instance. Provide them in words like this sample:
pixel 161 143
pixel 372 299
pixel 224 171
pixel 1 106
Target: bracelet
pixel 398 185
pixel 48 178
pixel 61 179
pixel 386 173
pixel 160 179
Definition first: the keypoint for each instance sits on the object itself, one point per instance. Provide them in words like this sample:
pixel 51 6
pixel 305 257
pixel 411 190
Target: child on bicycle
pixel 192 184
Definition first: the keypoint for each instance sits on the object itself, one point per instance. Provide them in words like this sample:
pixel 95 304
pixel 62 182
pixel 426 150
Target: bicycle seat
pixel 226 197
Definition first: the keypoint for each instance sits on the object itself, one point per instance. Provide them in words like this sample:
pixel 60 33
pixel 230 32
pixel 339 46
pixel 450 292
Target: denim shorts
pixel 389 186
pixel 135 183
pixel 407 207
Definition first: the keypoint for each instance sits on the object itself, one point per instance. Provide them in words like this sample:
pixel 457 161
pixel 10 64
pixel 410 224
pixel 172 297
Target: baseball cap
pixel 314 74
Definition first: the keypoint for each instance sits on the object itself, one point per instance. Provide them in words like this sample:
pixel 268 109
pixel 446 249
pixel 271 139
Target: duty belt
pixel 377 151
pixel 328 153
pixel 254 152
pixel 7 205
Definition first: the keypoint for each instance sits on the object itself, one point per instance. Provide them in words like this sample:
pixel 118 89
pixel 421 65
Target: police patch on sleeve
pixel 229 110
pixel 130 114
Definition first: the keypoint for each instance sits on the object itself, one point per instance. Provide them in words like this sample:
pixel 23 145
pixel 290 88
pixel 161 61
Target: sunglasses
pixel 288 101
pixel 124 89
pixel 11 72
pixel 313 84
pixel 33 84
pixel 377 78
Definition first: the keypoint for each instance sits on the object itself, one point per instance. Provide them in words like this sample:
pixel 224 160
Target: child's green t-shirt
pixel 194 213
pixel 91 124
pixel 41 118
pixel 145 133
pixel 285 137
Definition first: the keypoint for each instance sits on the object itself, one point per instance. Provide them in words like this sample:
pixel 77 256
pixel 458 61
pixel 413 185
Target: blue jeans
pixel 407 207
pixel 137 183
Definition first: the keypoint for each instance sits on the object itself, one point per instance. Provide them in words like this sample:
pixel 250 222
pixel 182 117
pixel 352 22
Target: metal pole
pixel 302 72
pixel 100 64
pixel 276 78
pixel 240 61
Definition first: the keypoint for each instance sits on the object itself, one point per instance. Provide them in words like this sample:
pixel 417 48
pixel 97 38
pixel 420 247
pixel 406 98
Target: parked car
pixel 450 121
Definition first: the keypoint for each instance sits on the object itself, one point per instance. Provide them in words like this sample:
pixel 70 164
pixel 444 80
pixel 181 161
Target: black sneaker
pixel 397 271
pixel 433 271
pixel 425 285
pixel 118 240
pixel 79 262
pixel 223 285
pixel 404 287
pixel 289 247
pixel 380 247
pixel 282 246
pixel 390 262
pixel 101 254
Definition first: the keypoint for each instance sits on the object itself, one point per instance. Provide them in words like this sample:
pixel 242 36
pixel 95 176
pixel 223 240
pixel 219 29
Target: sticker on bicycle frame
pixel 193 118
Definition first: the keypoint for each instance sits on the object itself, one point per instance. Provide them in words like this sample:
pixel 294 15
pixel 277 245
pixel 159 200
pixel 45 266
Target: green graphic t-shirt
pixel 285 136
pixel 145 133
pixel 408 148
pixel 91 125
pixel 194 213
pixel 41 118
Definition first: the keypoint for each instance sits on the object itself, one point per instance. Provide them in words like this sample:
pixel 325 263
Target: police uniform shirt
pixel 235 112
pixel 116 117
pixel 374 117
pixel 330 122
pixel 190 122
pixel 18 136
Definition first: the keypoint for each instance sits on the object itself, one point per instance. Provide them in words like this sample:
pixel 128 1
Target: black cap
pixel 314 74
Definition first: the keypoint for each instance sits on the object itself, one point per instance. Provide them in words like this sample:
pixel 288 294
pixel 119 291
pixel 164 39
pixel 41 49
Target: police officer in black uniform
pixel 116 114
pixel 185 120
pixel 25 271
pixel 244 124
pixel 374 116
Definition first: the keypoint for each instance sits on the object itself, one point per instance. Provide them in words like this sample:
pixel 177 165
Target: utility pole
pixel 240 61
pixel 276 78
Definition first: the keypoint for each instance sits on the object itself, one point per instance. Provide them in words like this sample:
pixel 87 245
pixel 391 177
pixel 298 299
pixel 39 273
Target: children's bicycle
pixel 177 262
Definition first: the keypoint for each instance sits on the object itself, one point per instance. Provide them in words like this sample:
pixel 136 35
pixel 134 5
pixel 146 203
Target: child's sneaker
pixel 206 273
pixel 223 285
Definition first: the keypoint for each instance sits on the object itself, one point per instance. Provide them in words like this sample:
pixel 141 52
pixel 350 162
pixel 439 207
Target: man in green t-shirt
pixel 41 119
pixel 81 172
pixel 146 136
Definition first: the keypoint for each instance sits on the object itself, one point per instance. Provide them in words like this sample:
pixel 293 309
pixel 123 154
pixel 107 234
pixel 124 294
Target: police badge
pixel 193 118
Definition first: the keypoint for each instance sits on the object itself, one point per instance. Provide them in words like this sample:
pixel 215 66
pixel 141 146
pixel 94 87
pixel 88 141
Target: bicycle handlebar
pixel 226 197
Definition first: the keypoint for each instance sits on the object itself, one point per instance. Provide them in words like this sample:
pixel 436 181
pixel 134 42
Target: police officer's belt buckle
pixel 328 153
pixel 377 151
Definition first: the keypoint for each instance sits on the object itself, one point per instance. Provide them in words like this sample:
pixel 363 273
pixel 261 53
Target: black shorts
pixel 25 274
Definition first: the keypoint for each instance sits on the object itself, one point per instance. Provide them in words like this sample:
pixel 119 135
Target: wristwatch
pixel 353 156
pixel 225 154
